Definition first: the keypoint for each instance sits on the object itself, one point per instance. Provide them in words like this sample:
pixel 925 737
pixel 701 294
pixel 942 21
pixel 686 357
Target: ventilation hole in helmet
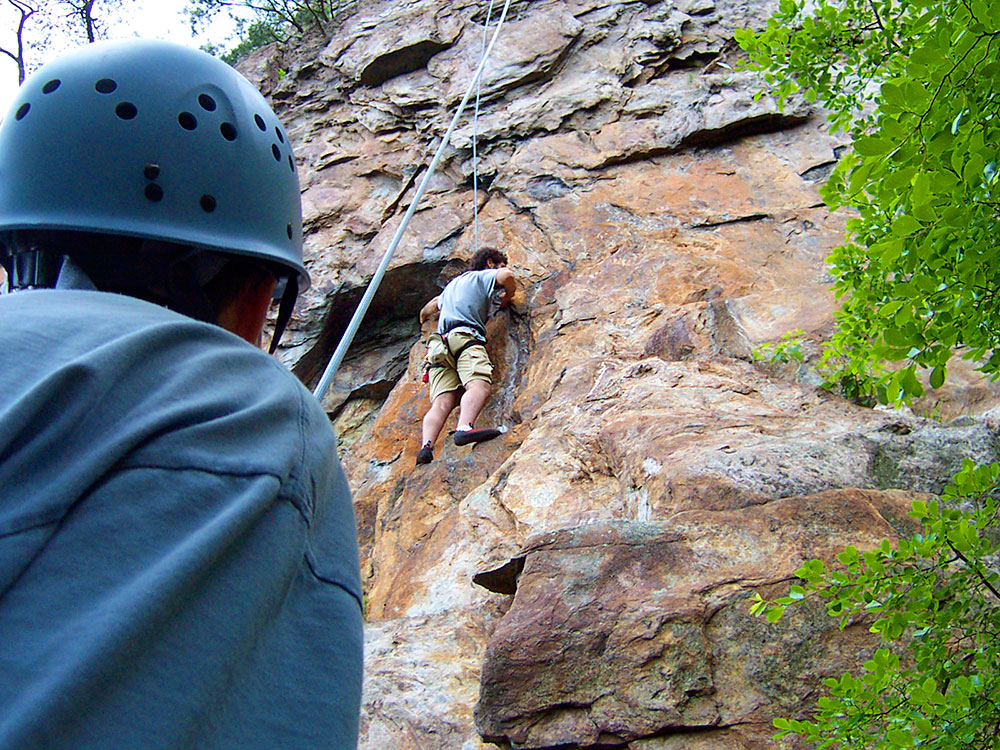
pixel 291 163
pixel 260 122
pixel 187 120
pixel 151 171
pixel 154 192
pixel 288 230
pixel 22 111
pixel 105 86
pixel 207 103
pixel 51 86
pixel 276 152
pixel 228 131
pixel 278 133
pixel 207 203
pixel 126 110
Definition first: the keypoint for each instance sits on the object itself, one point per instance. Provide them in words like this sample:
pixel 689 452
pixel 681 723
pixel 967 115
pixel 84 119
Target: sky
pixel 157 19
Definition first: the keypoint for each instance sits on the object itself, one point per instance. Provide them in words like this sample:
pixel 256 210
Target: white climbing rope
pixel 373 285
pixel 475 138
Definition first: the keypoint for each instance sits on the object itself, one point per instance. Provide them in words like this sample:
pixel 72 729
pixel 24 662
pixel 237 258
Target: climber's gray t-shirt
pixel 465 301
pixel 178 554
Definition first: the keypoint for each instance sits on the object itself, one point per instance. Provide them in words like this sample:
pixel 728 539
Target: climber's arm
pixel 506 279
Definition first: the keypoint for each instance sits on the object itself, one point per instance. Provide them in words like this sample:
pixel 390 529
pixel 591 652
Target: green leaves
pixel 260 22
pixel 913 83
pixel 933 595
pixel 872 146
pixel 922 181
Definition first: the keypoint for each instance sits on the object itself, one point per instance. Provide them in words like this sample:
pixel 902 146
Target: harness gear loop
pixel 461 350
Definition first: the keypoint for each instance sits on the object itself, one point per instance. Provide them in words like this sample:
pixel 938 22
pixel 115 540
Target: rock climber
pixel 178 553
pixel 459 370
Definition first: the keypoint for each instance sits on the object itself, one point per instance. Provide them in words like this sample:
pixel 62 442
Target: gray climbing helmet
pixel 154 140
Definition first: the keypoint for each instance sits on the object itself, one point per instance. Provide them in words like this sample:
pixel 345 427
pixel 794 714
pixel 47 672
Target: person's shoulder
pixel 171 355
pixel 228 405
pixel 175 392
pixel 486 275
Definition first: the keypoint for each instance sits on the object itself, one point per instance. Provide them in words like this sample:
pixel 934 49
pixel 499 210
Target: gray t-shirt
pixel 178 553
pixel 465 302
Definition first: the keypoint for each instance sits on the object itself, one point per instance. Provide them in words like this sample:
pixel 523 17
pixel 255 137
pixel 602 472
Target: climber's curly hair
pixel 481 258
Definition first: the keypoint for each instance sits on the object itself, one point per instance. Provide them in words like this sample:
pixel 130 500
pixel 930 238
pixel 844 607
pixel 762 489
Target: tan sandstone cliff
pixel 583 581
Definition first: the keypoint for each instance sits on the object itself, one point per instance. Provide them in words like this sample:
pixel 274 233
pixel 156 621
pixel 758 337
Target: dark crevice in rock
pixel 726 222
pixel 819 173
pixel 307 70
pixel 409 180
pixel 403 291
pixel 766 123
pixel 641 155
pixel 484 180
pixel 695 59
pixel 378 389
pixel 334 161
pixel 363 237
pixel 518 9
pixel 502 580
pixel 442 249
pixel 702 13
pixel 400 61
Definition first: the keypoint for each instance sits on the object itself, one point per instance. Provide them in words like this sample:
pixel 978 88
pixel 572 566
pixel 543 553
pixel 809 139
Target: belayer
pixel 178 553
pixel 459 370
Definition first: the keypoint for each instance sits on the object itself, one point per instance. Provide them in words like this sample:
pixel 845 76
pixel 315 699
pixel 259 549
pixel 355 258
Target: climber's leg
pixel 472 402
pixel 437 415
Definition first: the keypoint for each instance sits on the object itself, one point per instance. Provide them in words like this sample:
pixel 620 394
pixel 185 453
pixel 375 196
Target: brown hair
pixel 481 258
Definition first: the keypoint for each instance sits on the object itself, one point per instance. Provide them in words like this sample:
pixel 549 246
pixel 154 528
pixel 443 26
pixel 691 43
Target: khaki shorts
pixel 473 364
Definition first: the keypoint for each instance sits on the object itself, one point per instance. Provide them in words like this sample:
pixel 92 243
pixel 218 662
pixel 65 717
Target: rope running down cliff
pixel 359 313
pixel 475 136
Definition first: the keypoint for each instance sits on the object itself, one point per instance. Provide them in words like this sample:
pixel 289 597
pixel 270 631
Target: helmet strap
pixel 37 268
pixel 71 276
pixel 284 310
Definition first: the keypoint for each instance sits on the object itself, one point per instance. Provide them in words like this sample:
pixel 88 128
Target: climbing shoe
pixel 425 455
pixel 476 436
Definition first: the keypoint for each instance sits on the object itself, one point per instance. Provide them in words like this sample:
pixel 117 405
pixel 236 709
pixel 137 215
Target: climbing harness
pixel 362 309
pixel 443 336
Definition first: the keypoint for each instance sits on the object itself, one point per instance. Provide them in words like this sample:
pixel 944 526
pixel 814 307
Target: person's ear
pixel 246 313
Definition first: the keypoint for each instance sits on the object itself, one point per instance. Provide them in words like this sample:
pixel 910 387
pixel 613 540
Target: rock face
pixel 583 581
pixel 621 630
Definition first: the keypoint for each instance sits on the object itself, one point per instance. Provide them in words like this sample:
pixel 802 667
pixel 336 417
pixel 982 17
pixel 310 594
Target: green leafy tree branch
pixel 934 601
pixel 913 83
pixel 261 22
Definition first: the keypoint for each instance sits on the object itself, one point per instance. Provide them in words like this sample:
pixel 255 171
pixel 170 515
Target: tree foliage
pixel 934 600
pixel 16 51
pixel 913 82
pixel 38 24
pixel 260 22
